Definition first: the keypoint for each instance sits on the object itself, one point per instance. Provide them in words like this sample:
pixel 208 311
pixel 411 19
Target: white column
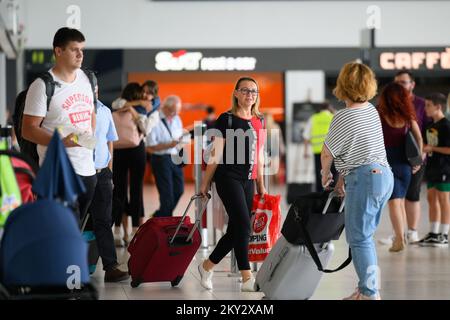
pixel 198 151
pixel 20 71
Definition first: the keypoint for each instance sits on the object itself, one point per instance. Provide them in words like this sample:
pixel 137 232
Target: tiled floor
pixel 415 273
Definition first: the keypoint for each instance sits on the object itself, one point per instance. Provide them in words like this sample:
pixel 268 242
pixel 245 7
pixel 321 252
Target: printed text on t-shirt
pixel 78 117
pixel 77 97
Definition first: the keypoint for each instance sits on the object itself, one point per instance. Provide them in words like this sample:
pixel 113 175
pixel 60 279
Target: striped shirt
pixel 355 139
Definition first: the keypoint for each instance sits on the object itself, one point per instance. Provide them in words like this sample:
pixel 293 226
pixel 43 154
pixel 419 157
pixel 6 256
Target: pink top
pixel 257 126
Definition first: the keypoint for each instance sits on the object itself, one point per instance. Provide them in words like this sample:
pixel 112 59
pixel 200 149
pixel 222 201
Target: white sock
pixel 435 227
pixel 117 230
pixel 445 228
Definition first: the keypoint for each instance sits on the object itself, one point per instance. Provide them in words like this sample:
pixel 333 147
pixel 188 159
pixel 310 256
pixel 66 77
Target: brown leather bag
pixel 127 130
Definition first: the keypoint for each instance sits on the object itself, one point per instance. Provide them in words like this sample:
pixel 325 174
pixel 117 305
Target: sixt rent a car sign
pixel 428 60
pixel 183 60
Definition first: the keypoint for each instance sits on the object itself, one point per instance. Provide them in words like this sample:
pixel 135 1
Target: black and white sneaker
pixel 431 240
pixel 443 240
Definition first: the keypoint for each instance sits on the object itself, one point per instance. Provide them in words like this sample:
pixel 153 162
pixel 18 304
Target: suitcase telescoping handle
pixel 332 195
pixel 197 222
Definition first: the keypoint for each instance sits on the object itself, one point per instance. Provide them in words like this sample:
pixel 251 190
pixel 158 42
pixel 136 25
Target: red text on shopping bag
pixel 266 220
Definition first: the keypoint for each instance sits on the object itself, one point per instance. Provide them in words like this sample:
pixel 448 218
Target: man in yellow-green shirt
pixel 315 132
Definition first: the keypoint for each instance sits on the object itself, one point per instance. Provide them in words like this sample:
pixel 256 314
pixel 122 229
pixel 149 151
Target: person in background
pixel 316 130
pixel 235 180
pixel 129 168
pixel 150 99
pixel 150 90
pixel 355 142
pixel 412 200
pixel 101 205
pixel 209 121
pixel 397 117
pixel 146 107
pixel 211 117
pixel 275 147
pixel 162 143
pixel 437 147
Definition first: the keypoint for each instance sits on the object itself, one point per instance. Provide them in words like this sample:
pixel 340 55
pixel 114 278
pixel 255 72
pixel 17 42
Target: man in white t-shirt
pixel 71 110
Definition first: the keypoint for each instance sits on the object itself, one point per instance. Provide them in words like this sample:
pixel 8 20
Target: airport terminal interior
pixel 416 273
pixel 118 91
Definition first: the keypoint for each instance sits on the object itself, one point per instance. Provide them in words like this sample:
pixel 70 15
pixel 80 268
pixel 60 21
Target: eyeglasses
pixel 247 91
pixel 403 82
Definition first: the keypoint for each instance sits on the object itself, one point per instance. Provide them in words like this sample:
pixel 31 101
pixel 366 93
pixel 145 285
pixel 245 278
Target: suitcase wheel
pixel 176 281
pixel 135 283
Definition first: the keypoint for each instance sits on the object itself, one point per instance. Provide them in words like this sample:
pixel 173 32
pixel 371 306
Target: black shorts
pixel 413 193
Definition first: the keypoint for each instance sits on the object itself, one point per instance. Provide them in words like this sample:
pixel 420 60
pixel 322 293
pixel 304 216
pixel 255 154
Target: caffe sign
pixel 429 60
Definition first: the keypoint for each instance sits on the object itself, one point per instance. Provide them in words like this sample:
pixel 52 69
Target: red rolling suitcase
pixel 163 248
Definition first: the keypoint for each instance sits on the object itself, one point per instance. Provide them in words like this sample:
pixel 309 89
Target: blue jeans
pixel 367 189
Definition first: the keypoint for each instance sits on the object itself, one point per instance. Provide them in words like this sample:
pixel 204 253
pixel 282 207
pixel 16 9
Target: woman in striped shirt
pixel 355 142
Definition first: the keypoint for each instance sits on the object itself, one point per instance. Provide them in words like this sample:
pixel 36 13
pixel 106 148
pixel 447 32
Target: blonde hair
pixel 235 105
pixel 356 82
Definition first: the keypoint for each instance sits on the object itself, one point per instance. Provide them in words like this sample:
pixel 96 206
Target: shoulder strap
pixel 163 120
pixel 312 251
pixel 93 81
pixel 50 85
pixel 408 127
pixel 230 120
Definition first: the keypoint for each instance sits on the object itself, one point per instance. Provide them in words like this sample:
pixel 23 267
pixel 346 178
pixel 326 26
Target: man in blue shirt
pixel 101 206
pixel 163 143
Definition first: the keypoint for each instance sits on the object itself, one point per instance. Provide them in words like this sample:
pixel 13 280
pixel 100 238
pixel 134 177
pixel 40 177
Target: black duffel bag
pixel 314 218
pixel 321 213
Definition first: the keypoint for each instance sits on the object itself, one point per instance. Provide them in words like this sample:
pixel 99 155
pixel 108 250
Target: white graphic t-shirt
pixel 71 109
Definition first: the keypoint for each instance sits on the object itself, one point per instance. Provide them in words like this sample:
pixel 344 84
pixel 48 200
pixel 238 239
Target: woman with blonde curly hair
pixel 355 142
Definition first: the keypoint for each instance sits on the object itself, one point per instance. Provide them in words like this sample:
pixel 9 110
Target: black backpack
pixel 28 147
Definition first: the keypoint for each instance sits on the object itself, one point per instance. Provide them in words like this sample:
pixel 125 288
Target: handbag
pixel 316 217
pixel 127 130
pixel 412 149
pixel 265 223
